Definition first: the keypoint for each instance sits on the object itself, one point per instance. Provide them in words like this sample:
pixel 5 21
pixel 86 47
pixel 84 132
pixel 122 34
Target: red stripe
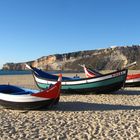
pixel 88 74
pixel 133 76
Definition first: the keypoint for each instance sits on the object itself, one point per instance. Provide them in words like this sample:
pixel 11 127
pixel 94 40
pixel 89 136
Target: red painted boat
pixel 20 98
pixel 133 80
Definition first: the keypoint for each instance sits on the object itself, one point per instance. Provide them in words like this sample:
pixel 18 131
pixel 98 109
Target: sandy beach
pixel 113 116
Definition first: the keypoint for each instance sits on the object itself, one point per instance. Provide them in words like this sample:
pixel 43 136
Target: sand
pixel 77 117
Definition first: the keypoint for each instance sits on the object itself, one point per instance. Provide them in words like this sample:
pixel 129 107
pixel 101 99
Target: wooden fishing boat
pixel 132 80
pixel 100 84
pixel 20 98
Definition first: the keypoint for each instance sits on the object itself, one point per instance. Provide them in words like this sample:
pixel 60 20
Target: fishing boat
pixel 101 84
pixel 132 80
pixel 20 98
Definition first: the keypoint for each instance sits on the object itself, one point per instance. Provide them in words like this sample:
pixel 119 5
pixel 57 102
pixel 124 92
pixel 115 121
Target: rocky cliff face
pixel 110 58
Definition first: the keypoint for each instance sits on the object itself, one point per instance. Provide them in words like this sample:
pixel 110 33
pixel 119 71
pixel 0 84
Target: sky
pixel 30 29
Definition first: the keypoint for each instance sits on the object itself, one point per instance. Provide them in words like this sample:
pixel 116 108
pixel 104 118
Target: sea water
pixel 22 72
pixel 15 72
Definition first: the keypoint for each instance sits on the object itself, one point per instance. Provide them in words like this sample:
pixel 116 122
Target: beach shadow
pixel 84 106
pixel 127 92
pixel 119 92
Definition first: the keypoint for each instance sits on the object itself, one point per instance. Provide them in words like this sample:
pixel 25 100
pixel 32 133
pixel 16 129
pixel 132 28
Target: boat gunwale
pixel 80 79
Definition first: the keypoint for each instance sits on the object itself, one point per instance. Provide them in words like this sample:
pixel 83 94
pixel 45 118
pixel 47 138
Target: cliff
pixel 110 58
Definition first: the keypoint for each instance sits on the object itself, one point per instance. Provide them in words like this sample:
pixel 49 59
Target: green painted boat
pixel 100 84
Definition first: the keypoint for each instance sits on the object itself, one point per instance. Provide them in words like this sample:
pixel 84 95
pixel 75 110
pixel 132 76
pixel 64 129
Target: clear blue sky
pixel 30 29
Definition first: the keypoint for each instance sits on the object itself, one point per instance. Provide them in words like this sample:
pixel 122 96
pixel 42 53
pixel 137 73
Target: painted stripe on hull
pixel 21 98
pixel 80 81
pixel 89 86
pixel 28 105
pixel 103 89
pixel 133 80
pixel 133 83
